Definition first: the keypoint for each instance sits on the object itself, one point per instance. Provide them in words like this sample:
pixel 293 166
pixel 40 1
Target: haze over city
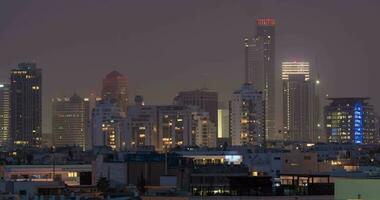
pixel 184 44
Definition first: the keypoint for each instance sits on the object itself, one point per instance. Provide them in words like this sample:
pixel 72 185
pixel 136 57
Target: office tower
pixel 300 103
pixel 223 123
pixel 205 100
pixel 70 121
pixel 25 90
pixel 204 130
pixel 247 116
pixel 141 125
pixel 115 89
pixel 4 116
pixel 260 69
pixel 108 126
pixel 351 120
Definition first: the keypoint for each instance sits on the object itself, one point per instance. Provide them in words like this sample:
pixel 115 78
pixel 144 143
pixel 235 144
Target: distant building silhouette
pixel 115 89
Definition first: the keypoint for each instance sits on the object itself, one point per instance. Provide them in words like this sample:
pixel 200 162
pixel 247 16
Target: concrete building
pixel 165 127
pixel 204 130
pixel 301 112
pixel 4 116
pixel 26 106
pixel 108 126
pixel 70 174
pixel 70 121
pixel 174 127
pixel 351 120
pixel 247 117
pixel 115 89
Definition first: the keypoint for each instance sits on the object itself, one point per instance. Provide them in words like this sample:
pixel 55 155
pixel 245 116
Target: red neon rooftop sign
pixel 266 22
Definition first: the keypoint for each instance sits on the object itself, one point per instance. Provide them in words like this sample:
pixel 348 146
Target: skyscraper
pixel 4 115
pixel 205 100
pixel 351 120
pixel 115 89
pixel 260 69
pixel 247 117
pixel 25 90
pixel 300 103
pixel 70 121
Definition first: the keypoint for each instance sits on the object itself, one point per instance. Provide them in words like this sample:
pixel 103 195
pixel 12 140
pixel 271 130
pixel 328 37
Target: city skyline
pixel 243 15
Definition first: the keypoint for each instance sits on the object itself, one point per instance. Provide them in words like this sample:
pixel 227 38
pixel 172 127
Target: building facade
pixel 247 117
pixel 204 130
pixel 108 126
pixel 205 100
pixel 70 121
pixel 301 116
pixel 26 104
pixel 351 120
pixel 4 115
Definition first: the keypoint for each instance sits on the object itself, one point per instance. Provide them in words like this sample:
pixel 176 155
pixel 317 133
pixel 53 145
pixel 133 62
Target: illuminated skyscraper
pixel 70 121
pixel 351 120
pixel 300 103
pixel 260 69
pixel 247 117
pixel 25 90
pixel 115 89
pixel 4 115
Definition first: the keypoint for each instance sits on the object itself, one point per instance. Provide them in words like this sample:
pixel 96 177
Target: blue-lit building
pixel 351 120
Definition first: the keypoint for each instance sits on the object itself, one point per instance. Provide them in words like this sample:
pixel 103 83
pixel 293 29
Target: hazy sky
pixel 167 46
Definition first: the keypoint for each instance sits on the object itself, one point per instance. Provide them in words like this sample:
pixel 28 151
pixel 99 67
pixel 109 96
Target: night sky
pixel 166 46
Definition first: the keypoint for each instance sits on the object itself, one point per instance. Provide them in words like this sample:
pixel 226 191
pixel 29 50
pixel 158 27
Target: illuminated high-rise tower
pixel 260 69
pixel 4 115
pixel 26 115
pixel 70 121
pixel 300 103
pixel 115 89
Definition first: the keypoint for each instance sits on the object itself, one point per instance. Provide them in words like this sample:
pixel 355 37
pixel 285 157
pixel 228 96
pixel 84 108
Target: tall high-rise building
pixel 205 100
pixel 25 90
pixel 301 116
pixel 108 126
pixel 70 122
pixel 247 117
pixel 115 89
pixel 4 115
pixel 351 120
pixel 260 69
